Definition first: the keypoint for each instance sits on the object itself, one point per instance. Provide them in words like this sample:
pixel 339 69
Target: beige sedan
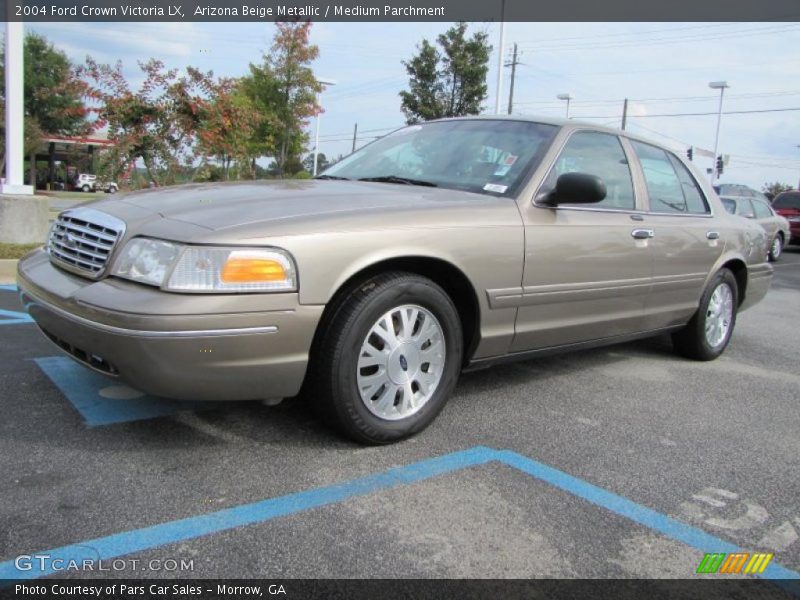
pixel 444 246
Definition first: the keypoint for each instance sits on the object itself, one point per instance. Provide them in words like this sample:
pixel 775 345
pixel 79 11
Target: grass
pixel 77 196
pixel 16 250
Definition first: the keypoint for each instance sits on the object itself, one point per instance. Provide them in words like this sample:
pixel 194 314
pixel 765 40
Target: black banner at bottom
pixel 400 589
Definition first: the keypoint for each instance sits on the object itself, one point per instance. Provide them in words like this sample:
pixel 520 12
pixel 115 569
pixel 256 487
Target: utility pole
pixel 624 114
pixel 355 133
pixel 513 64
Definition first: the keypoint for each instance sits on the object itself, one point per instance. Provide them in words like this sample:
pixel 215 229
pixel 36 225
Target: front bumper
pixel 183 346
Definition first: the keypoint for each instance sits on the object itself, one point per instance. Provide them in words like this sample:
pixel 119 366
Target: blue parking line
pixel 8 287
pixel 11 317
pixel 83 387
pixel 146 538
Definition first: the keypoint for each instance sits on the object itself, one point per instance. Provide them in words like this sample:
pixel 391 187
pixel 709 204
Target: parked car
pixel 787 204
pixel 737 190
pixel 776 226
pixel 450 245
pixel 109 187
pixel 85 182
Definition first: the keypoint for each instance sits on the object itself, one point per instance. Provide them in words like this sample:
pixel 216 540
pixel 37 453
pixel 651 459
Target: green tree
pixel 322 162
pixel 449 82
pixel 773 189
pixel 285 87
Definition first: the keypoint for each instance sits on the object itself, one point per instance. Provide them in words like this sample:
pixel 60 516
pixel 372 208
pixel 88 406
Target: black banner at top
pixel 399 10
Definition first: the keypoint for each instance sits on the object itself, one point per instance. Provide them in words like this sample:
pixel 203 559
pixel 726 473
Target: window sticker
pixel 504 167
pixel 495 187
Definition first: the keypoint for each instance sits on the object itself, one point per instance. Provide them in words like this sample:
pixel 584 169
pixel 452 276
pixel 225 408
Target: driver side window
pixel 599 154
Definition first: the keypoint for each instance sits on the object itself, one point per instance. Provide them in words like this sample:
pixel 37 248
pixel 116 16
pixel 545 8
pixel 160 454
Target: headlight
pixel 180 268
pixel 146 261
pixel 209 269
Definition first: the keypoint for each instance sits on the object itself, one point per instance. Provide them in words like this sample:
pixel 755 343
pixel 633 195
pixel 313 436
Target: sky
pixel 662 68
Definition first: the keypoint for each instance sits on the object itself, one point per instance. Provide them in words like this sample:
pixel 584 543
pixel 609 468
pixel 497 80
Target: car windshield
pixel 787 201
pixel 484 156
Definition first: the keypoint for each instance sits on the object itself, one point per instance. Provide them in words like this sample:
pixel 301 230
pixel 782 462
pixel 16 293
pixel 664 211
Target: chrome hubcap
pixel 401 362
pixel 776 248
pixel 719 315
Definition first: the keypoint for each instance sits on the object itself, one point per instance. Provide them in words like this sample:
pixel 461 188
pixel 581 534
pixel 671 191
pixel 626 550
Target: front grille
pixel 82 240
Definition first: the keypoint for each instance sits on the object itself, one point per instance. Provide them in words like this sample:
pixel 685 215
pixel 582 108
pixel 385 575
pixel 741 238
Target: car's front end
pixel 200 322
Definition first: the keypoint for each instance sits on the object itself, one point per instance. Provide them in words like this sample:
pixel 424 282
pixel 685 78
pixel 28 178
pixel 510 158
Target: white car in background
pixel 776 226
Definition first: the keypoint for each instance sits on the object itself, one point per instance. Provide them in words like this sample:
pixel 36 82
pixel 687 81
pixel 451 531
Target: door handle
pixel 712 235
pixel 642 234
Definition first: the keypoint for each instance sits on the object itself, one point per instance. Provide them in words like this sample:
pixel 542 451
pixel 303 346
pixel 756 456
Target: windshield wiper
pixel 332 177
pixel 398 179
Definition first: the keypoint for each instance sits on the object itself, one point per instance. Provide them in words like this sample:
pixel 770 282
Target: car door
pixel 765 217
pixel 686 242
pixel 587 267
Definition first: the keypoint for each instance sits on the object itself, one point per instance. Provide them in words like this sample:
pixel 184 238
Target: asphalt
pixel 711 445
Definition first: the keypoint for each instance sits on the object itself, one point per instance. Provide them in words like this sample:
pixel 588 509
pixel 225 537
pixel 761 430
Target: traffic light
pixel 690 153
pixel 719 166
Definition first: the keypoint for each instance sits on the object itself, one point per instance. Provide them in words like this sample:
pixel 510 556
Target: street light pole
pixel 327 82
pixel 717 85
pixel 566 97
pixel 499 92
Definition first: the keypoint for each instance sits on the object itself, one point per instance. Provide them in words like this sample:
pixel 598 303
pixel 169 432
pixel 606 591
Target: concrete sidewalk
pixel 8 270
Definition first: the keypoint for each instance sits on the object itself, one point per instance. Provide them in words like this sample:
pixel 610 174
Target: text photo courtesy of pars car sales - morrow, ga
pixel 403 299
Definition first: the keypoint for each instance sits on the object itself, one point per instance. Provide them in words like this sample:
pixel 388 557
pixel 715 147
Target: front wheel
pixel 86 188
pixel 707 334
pixel 776 249
pixel 389 358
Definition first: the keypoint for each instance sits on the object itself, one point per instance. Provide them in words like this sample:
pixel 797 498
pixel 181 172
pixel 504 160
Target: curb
pixel 8 270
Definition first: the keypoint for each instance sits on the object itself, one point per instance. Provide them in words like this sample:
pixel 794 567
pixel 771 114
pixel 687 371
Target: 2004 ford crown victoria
pixel 443 246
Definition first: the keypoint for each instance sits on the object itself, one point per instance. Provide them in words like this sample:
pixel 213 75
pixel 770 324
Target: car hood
pixel 221 206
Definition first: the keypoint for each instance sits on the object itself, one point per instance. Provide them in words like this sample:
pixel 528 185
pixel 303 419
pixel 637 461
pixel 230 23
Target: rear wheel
pixel 389 358
pixel 86 188
pixel 706 336
pixel 776 249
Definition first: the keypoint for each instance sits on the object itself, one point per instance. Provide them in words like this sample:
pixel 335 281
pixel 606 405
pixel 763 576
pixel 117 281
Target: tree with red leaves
pixel 155 124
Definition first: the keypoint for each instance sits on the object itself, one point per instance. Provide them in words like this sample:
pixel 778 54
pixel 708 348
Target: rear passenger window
pixel 599 154
pixel 695 201
pixel 670 186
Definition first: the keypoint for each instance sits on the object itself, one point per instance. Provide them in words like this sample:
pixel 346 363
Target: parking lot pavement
pixel 621 462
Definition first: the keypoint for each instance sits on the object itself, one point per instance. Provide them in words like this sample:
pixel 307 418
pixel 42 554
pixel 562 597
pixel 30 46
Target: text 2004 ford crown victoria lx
pixel 442 246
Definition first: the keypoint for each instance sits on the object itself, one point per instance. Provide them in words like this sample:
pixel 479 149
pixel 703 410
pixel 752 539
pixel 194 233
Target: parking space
pixel 621 462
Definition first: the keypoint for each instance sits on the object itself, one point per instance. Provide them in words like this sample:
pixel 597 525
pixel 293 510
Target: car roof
pixel 558 122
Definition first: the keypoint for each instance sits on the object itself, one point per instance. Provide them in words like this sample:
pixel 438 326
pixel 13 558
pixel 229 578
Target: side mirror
pixel 576 188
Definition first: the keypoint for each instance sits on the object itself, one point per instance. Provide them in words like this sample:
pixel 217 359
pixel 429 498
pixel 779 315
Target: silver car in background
pixel 776 226
pixel 449 245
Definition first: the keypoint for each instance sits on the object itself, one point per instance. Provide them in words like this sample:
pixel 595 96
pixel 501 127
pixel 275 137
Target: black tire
pixel 335 356
pixel 692 341
pixel 86 189
pixel 776 248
